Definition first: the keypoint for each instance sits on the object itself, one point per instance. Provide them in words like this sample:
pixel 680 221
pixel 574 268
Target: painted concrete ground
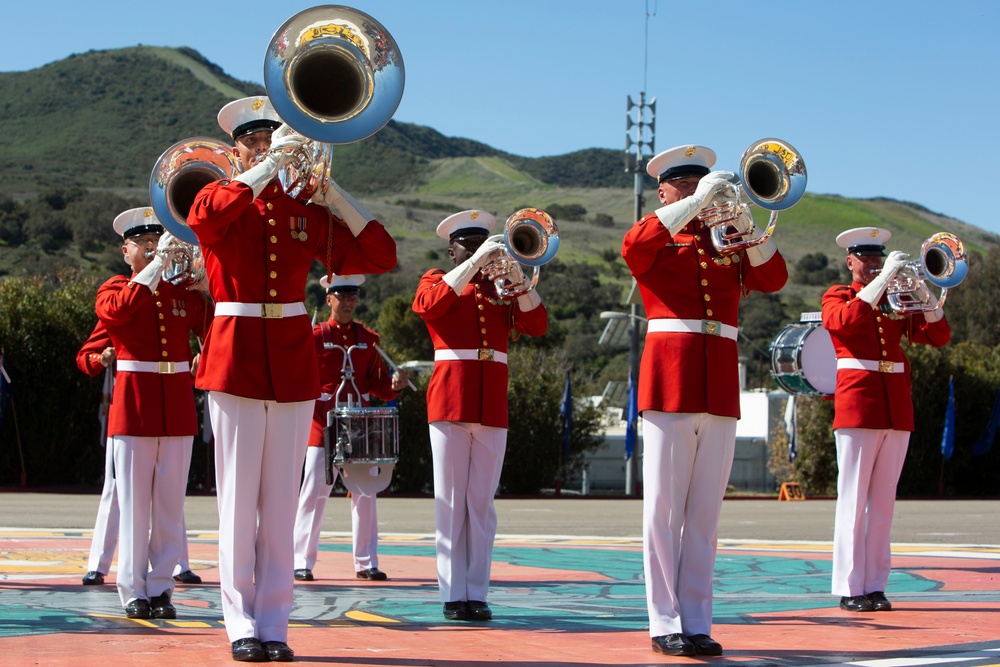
pixel 556 602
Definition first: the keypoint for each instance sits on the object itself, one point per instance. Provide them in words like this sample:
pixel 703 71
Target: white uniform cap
pixel 681 162
pixel 863 241
pixel 248 115
pixel 137 221
pixel 466 222
pixel 342 283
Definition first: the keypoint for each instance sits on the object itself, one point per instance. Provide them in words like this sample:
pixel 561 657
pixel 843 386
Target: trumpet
pixel 943 263
pixel 334 75
pixel 531 238
pixel 772 176
pixel 179 174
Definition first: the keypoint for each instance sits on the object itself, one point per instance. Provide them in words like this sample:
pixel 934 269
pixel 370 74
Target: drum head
pixel 819 361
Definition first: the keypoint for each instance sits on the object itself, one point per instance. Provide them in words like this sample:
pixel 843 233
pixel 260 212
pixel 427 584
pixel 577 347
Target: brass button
pixel 880 330
pixel 882 340
pixel 156 293
pixel 273 257
pixel 163 340
pixel 274 274
pixel 274 239
pixel 708 311
pixel 481 306
pixel 878 318
pixel 884 353
pixel 272 222
pixel 273 292
pixel 162 328
pixel 485 344
pixel 704 265
pixel 163 354
pixel 270 206
pixel 708 297
pixel 482 319
pixel 482 331
pixel 704 282
pixel 701 251
pixel 161 316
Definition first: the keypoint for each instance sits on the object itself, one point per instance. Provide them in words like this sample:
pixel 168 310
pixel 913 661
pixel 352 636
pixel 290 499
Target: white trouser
pixel 869 463
pixel 259 449
pixel 308 521
pixel 686 463
pixel 105 538
pixel 468 459
pixel 151 480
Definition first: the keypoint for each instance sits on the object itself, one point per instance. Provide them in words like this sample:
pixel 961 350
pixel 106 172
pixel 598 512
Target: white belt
pixel 270 311
pixel 871 365
pixel 481 354
pixel 707 327
pixel 161 367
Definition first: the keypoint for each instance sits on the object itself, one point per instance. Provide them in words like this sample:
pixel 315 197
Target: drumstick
pixel 393 366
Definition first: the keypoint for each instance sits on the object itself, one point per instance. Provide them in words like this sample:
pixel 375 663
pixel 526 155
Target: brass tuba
pixel 334 75
pixel 773 176
pixel 943 262
pixel 531 238
pixel 179 174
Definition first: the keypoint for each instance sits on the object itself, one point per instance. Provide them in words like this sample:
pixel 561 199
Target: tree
pixel 814 269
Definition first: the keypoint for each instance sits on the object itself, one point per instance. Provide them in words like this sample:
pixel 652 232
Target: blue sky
pixel 881 97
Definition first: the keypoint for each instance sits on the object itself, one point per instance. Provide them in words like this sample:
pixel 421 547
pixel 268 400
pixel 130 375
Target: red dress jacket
pixel 260 251
pixel 370 373
pixel 870 399
pixel 152 326
pixel 471 391
pixel 88 359
pixel 684 277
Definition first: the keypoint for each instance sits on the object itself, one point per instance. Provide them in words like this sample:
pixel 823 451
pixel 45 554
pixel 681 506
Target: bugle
pixel 943 263
pixel 334 75
pixel 531 238
pixel 772 176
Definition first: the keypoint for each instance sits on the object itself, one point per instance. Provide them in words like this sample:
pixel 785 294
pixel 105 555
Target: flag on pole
pixel 566 412
pixel 631 418
pixel 983 444
pixel 791 427
pixel 948 436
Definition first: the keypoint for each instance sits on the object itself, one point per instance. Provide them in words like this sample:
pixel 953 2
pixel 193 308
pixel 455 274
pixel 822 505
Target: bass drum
pixel 803 360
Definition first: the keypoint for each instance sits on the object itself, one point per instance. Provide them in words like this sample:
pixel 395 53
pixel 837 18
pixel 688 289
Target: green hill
pixel 99 120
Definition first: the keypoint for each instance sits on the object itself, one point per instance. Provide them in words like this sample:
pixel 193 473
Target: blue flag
pixel 631 417
pixel 566 412
pixel 791 428
pixel 983 445
pixel 948 437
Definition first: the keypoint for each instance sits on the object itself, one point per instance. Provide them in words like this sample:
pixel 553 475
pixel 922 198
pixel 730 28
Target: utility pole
pixel 640 131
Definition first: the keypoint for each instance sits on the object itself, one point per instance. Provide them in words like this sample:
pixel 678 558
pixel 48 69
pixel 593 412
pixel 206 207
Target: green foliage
pixel 42 325
pixel 566 211
pixel 973 307
pixel 815 269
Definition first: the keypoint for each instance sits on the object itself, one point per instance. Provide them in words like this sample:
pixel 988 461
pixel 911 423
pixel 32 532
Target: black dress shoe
pixel 456 611
pixel 304 575
pixel 856 603
pixel 879 602
pixel 160 607
pixel 93 578
pixel 479 611
pixel 249 649
pixel 137 608
pixel 187 577
pixel 278 652
pixel 372 573
pixel 675 644
pixel 705 645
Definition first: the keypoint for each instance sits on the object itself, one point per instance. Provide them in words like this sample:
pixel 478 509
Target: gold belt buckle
pixel 886 366
pixel 485 354
pixel 167 367
pixel 272 311
pixel 711 327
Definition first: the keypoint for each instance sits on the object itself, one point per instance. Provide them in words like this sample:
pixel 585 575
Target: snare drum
pixel 803 360
pixel 364 435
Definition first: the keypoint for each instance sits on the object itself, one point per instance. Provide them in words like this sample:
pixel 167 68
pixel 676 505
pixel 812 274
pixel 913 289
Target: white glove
pixel 285 138
pixel 166 241
pixel 460 276
pixel 676 216
pixel 872 292
pixel 344 206
pixel 150 276
pixel 529 301
pixel 258 176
